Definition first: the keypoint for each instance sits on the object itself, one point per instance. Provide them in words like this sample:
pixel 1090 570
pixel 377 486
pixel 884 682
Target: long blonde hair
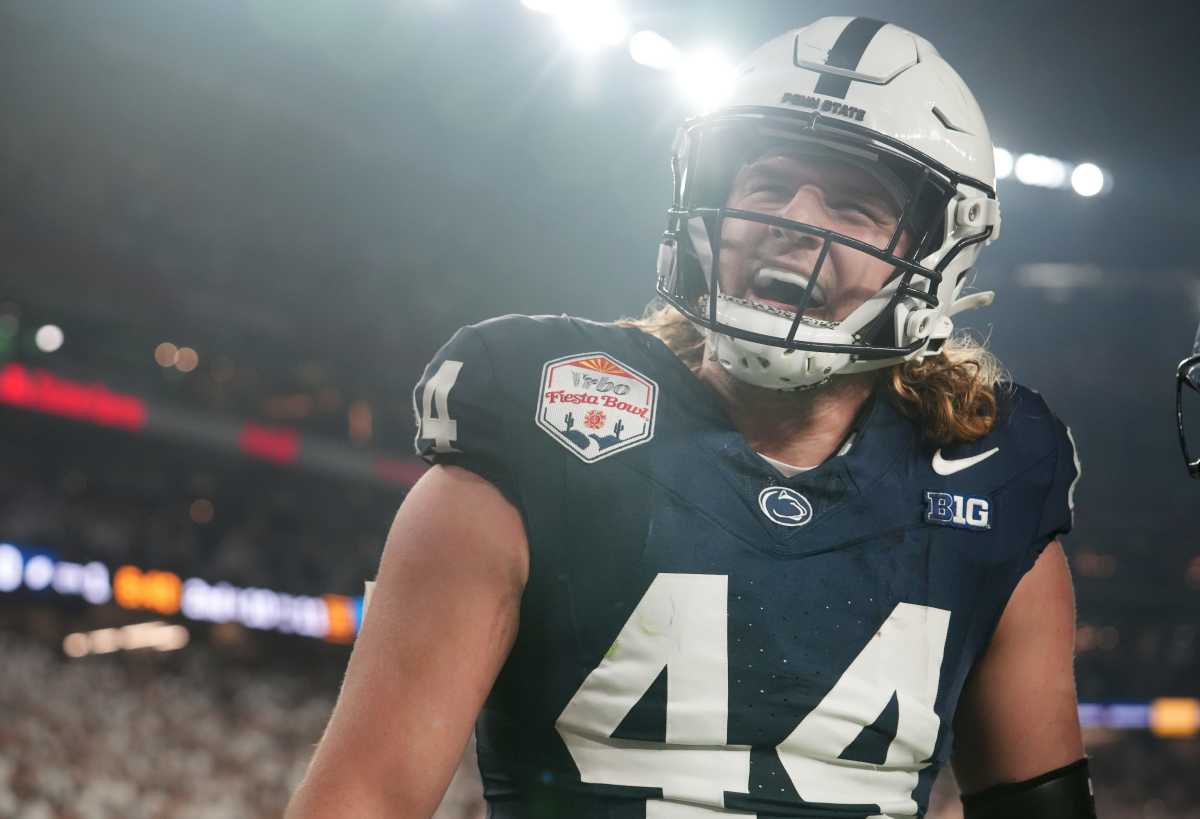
pixel 952 395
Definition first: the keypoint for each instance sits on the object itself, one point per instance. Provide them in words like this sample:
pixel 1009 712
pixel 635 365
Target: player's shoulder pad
pixel 1035 449
pixel 477 397
pixel 516 347
pixel 1025 428
pixel 517 342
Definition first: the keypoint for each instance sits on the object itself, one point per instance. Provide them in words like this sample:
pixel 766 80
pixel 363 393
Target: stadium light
pixel 166 354
pixel 76 645
pixel 187 360
pixel 39 572
pixel 332 617
pixel 707 78
pixel 201 511
pixel 1004 163
pixel 12 568
pixel 1040 171
pixel 544 6
pixel 156 634
pixel 588 24
pixel 592 26
pixel 653 50
pixel 96 587
pixel 49 338
pixel 1087 179
pixel 104 641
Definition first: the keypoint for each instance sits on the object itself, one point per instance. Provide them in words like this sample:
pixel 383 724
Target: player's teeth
pixel 773 274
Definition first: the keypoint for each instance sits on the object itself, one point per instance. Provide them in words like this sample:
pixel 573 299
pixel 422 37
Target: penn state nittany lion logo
pixel 784 506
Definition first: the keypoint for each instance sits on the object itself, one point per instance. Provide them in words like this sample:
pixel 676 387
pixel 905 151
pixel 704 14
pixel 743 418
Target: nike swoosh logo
pixel 945 467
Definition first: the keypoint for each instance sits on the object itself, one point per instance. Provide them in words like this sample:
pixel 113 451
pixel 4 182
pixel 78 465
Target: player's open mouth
pixel 784 289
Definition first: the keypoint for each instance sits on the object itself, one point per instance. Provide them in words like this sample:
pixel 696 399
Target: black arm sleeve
pixel 1064 793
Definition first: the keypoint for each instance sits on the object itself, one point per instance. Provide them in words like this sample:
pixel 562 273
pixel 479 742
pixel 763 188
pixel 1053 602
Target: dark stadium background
pixel 312 196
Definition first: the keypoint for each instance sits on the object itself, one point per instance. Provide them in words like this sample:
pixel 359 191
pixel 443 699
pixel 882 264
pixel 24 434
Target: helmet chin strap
pixel 930 326
pixel 791 370
pixel 981 299
pixel 767 365
pixel 713 339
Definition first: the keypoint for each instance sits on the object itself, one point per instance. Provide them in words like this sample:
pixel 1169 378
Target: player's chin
pixel 846 301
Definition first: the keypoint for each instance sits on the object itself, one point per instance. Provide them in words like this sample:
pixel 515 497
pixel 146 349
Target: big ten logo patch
pixel 959 511
pixel 595 406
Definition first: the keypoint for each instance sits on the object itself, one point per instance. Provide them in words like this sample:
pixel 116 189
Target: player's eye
pixel 863 210
pixel 773 189
pixel 851 206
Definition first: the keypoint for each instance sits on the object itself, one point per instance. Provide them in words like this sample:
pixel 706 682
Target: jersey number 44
pixel 681 624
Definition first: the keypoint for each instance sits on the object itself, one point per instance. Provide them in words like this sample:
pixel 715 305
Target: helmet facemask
pixel 1187 395
pixel 787 303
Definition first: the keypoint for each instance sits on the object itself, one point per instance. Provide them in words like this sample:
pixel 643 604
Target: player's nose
pixel 807 206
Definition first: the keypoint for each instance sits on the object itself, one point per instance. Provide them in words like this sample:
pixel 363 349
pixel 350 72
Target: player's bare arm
pixel 442 619
pixel 1018 718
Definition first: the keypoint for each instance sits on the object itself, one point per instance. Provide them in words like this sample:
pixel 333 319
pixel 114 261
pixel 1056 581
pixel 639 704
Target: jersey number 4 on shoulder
pixel 442 430
pixel 681 624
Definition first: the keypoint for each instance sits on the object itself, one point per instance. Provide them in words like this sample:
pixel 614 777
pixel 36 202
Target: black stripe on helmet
pixel 846 54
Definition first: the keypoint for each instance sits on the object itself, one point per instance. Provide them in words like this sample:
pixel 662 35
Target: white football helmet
pixel 869 95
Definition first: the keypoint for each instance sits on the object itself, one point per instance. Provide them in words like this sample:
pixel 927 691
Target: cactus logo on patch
pixel 595 406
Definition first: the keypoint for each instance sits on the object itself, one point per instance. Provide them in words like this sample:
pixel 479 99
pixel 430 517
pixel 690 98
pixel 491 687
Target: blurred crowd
pixel 192 736
pixel 112 737
pixel 145 736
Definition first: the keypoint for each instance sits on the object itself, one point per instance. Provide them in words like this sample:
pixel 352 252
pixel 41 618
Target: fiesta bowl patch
pixel 595 406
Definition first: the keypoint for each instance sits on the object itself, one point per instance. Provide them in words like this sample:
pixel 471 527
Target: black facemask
pixel 1187 407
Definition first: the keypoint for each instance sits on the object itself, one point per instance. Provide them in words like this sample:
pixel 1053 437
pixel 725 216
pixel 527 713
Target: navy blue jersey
pixel 702 635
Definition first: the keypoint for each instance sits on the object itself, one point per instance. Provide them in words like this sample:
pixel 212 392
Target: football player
pixel 782 547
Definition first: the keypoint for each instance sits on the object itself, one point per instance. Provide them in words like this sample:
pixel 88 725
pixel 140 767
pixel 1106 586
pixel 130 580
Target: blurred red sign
pixel 42 391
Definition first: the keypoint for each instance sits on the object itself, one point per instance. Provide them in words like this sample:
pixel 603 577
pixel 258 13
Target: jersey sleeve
pixel 460 413
pixel 1058 511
